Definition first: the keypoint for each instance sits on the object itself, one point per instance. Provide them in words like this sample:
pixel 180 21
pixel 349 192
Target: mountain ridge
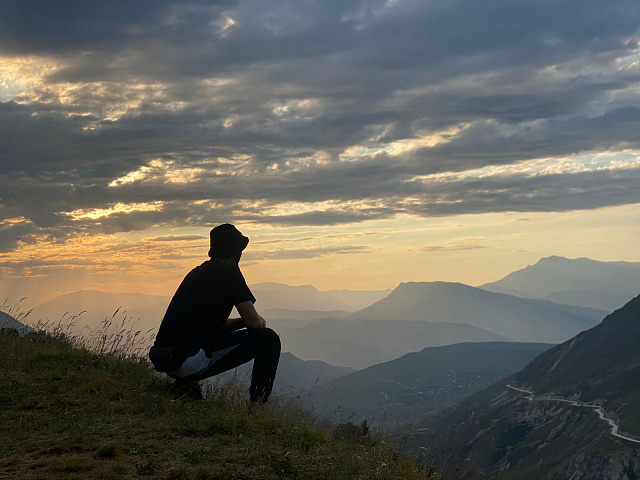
pixel 516 318
pixel 581 281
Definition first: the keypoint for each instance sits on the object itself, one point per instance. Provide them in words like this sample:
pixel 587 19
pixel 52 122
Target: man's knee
pixel 271 338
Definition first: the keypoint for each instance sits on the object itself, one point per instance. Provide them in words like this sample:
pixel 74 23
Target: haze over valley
pixel 345 328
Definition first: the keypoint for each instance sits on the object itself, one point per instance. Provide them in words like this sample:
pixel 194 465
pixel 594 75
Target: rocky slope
pixel 555 418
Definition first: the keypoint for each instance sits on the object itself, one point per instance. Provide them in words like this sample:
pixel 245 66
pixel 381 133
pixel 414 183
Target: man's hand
pixel 250 316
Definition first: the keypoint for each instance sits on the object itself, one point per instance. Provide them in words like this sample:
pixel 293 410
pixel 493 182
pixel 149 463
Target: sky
pixel 359 144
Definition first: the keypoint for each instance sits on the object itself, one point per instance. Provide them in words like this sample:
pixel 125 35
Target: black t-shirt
pixel 201 304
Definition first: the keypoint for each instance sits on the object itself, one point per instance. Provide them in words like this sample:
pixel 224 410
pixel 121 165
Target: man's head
pixel 227 242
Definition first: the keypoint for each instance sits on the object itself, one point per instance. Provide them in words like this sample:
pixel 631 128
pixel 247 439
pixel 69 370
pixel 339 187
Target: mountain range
pixel 315 325
pixel 573 412
pixel 419 315
pixel 581 281
pixel 512 317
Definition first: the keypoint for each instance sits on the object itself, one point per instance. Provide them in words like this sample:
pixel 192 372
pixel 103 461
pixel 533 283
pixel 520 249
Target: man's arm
pixel 249 318
pixel 231 325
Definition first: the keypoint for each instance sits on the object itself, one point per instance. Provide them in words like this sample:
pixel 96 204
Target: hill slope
pixel 8 322
pixel 421 383
pixel 543 422
pixel 515 318
pixel 66 413
pixel 581 281
pixel 600 365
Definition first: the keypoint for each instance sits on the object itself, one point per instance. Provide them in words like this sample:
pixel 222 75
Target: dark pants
pixel 262 345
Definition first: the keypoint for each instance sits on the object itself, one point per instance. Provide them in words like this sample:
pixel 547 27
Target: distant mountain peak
pixel 578 281
pixel 556 259
pixel 429 285
pixel 413 291
pixel 552 258
pixel 274 286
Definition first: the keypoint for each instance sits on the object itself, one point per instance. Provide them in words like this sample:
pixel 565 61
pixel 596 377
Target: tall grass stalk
pixel 116 335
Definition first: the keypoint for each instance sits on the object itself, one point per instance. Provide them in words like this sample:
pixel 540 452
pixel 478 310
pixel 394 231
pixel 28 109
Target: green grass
pixel 68 413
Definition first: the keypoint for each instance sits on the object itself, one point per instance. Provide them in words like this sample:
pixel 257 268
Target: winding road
pixel 597 408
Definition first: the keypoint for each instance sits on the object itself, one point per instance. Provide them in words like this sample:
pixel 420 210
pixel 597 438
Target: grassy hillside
pixel 71 414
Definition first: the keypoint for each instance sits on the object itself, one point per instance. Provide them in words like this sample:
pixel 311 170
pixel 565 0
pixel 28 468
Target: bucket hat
pixel 226 241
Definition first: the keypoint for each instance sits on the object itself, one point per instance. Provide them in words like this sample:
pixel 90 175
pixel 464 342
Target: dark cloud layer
pixel 225 111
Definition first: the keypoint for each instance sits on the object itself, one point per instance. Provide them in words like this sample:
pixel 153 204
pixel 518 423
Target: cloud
pixel 312 113
pixel 294 254
pixel 177 238
pixel 455 245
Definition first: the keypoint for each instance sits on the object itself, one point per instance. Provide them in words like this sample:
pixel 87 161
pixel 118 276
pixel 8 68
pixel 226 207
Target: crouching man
pixel 197 339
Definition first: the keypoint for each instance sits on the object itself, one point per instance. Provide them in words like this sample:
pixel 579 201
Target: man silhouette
pixel 197 338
